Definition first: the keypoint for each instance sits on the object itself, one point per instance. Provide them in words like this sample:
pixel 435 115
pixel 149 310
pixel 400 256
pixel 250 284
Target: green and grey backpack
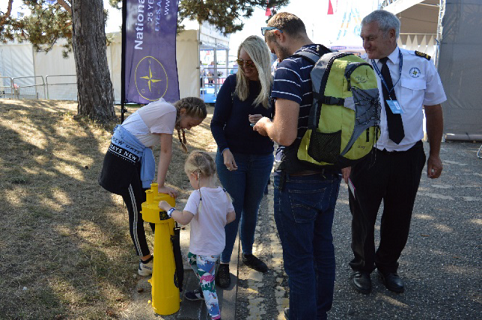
pixel 344 119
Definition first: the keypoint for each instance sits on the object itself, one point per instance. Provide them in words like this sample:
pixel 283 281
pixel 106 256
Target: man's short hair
pixel 288 23
pixel 386 21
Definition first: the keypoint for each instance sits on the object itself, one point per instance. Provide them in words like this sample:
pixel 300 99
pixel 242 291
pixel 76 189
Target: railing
pixel 31 87
pixel 6 90
pixel 23 83
pixel 58 83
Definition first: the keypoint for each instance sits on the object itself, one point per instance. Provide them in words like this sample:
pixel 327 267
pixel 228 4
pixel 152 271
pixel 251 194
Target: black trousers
pixel 133 197
pixel 121 175
pixel 393 177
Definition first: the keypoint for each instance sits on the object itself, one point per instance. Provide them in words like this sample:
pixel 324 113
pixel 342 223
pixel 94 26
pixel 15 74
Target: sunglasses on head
pixel 265 29
pixel 245 63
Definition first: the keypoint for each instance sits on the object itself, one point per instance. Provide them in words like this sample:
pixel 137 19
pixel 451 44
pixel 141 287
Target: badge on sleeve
pixel 395 106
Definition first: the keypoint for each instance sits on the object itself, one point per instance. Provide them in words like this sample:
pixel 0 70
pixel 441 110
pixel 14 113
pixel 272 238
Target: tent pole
pixel 439 31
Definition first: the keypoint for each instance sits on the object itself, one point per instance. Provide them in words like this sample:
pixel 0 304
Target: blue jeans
pixel 304 207
pixel 246 186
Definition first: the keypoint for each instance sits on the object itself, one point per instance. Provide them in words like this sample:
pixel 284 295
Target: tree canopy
pixel 51 20
pixel 81 24
pixel 48 22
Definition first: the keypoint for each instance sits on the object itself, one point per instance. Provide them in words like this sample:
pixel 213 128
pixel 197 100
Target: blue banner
pixel 150 51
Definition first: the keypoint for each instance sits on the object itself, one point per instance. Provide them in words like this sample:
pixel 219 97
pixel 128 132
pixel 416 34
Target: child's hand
pixel 164 206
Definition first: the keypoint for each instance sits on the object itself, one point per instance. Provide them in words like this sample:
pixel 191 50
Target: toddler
pixel 208 209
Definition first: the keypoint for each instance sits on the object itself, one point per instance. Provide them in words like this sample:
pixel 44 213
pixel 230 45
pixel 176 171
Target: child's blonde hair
pixel 200 162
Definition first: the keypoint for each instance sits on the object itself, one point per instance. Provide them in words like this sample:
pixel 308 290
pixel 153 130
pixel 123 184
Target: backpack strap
pixel 312 57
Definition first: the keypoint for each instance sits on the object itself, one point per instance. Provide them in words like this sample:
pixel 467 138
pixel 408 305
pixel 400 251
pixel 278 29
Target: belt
pixel 418 144
pixel 307 173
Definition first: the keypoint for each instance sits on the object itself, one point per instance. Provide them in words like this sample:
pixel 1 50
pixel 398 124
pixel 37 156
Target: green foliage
pixel 46 24
pixel 50 21
pixel 224 15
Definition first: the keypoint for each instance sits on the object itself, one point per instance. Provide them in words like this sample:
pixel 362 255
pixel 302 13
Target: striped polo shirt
pixel 292 82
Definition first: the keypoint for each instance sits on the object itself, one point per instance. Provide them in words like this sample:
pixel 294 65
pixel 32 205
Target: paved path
pixel 441 264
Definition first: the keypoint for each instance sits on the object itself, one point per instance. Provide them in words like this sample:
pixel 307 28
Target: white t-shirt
pixel 207 226
pixel 156 117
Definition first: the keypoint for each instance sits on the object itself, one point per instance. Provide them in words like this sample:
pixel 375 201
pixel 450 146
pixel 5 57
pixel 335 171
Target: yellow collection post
pixel 165 294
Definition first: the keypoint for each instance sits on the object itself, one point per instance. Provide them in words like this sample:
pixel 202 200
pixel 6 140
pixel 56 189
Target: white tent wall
pixel 56 71
pixel 114 54
pixel 419 20
pixel 16 60
pixel 421 42
pixel 187 56
pixel 20 60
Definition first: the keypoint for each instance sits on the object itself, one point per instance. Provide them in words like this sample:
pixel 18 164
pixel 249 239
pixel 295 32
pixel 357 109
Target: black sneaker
pixel 223 279
pixel 254 263
pixel 194 295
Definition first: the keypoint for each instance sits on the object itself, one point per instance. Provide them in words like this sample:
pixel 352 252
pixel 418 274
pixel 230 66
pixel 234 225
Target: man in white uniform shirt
pixel 408 83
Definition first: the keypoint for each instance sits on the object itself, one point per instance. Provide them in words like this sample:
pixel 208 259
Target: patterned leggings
pixel 205 269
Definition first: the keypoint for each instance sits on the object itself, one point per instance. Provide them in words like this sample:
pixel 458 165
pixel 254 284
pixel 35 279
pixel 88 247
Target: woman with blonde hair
pixel 244 158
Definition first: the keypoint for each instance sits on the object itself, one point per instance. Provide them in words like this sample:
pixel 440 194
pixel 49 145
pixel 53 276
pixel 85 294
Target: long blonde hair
pixel 258 51
pixel 195 108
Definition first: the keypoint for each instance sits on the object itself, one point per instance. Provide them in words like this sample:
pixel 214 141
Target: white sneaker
pixel 145 269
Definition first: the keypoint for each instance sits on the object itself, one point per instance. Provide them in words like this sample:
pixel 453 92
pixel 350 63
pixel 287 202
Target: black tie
pixel 394 121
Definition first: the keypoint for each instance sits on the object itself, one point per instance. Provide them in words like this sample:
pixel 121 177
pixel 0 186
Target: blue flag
pixel 150 51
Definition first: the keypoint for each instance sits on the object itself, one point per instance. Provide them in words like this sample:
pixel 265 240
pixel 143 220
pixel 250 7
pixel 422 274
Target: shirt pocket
pixel 413 84
pixel 412 93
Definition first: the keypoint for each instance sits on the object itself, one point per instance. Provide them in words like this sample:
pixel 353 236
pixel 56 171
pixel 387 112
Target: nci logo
pixel 151 79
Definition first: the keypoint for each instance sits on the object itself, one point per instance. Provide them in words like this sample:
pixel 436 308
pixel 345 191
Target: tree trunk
pixel 95 92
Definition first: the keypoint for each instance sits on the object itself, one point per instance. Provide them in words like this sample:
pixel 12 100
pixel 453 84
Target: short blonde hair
pixel 258 51
pixel 200 162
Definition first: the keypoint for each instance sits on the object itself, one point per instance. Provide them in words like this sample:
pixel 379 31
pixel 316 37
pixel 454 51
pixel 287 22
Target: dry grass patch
pixel 65 249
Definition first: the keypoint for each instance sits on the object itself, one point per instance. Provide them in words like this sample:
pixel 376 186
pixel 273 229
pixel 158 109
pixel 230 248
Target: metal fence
pixel 61 87
pixel 39 87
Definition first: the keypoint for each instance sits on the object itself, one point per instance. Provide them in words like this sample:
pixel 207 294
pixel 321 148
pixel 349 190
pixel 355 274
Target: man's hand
pixel 261 126
pixel 253 118
pixel 434 118
pixel 345 173
pixel 434 167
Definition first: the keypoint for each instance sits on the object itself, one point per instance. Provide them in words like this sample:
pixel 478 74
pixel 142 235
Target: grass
pixel 65 249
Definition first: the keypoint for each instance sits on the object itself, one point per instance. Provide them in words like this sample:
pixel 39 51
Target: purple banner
pixel 150 51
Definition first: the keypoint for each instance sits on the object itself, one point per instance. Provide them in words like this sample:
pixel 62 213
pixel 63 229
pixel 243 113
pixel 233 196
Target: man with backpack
pixel 304 194
pixel 408 83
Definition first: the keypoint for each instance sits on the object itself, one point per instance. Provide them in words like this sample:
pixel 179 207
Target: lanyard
pixel 400 65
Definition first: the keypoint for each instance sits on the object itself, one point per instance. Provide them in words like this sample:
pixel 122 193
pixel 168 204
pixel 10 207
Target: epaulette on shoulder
pixel 423 55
